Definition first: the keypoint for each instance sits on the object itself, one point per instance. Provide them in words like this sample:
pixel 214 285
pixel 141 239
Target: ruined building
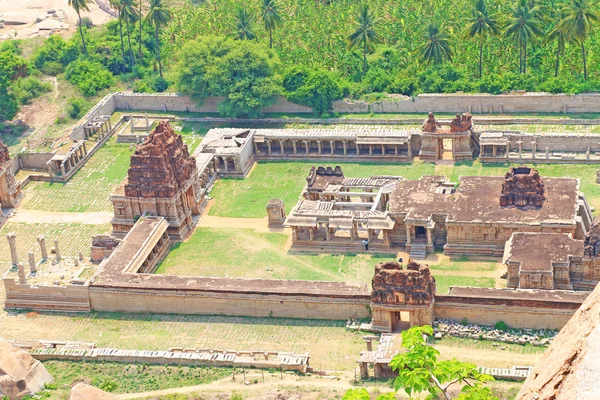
pixel 10 189
pixel 458 135
pixel 162 180
pixel 402 298
pixel 522 187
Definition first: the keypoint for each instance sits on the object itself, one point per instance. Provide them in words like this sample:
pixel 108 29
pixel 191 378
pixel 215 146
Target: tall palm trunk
pixel 557 63
pixel 480 57
pixel 520 58
pixel 131 59
pixel 121 34
pixel 270 38
pixel 525 58
pixel 140 41
pixel 81 33
pixel 158 51
pixel 584 62
pixel 364 56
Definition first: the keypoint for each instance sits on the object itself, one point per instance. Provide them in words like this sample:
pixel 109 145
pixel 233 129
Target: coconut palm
pixel 116 4
pixel 159 16
pixel 437 46
pixel 78 6
pixel 365 32
pixel 580 16
pixel 130 16
pixel 523 27
pixel 481 24
pixel 243 26
pixel 141 22
pixel 557 34
pixel 271 18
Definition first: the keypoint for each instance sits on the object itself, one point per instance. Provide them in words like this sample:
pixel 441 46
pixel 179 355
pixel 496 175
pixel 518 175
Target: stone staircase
pixel 418 251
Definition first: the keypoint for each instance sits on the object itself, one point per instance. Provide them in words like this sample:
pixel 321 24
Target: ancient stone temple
pixel 457 135
pixel 522 187
pixel 10 189
pixel 162 180
pixel 402 298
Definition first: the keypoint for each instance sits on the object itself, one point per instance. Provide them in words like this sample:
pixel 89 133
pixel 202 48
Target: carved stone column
pixel 42 242
pixel 57 250
pixel 31 260
pixel 22 277
pixel 12 243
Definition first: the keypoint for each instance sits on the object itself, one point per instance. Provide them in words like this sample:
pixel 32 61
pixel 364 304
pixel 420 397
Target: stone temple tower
pixel 162 180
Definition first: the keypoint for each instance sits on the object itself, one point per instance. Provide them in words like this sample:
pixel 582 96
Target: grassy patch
pixel 124 378
pixel 443 282
pixel 464 264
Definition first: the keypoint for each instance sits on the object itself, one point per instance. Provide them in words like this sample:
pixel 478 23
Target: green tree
pixel 158 16
pixel 243 26
pixel 78 6
pixel 318 91
pixel 557 34
pixel 8 102
pixel 271 18
pixel 243 71
pixel 580 16
pixel 523 27
pixel 365 32
pixel 130 15
pixel 116 4
pixel 437 46
pixel 481 24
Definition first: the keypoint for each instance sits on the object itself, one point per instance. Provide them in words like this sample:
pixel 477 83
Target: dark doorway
pixel 420 232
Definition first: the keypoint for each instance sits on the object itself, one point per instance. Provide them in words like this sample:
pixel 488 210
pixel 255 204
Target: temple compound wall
pixel 10 189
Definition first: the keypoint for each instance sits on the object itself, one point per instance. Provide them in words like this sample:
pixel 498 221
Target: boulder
pixel 81 391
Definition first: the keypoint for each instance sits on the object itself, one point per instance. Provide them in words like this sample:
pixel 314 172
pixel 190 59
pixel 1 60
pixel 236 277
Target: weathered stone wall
pixel 258 305
pixel 33 160
pixel 60 298
pixel 106 106
pixel 555 141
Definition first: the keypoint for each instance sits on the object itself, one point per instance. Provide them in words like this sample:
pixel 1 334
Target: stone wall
pixel 106 106
pixel 58 298
pixel 34 160
pixel 252 305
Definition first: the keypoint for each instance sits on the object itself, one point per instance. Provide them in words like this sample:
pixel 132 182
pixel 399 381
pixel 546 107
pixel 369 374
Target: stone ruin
pixel 592 239
pixel 4 156
pixel 20 374
pixel 160 166
pixel 10 189
pixel 276 212
pixel 333 173
pixel 430 124
pixel 82 391
pixel 522 187
pixel 394 285
pixel 461 123
pixel 102 247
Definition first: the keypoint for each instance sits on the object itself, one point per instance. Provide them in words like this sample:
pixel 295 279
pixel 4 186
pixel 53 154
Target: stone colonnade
pixel 69 161
pixel 101 125
pixel 338 147
pixel 325 231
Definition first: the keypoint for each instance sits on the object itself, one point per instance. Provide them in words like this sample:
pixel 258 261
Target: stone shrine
pixel 522 187
pixel 162 180
pixel 402 298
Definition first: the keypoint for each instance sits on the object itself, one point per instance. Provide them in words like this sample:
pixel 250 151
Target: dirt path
pixel 37 216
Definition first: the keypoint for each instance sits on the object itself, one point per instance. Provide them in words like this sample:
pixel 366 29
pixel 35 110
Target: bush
pixel 76 108
pixel 86 22
pixel 464 322
pixel 157 84
pixel 52 68
pixel 8 103
pixel 318 91
pixel 501 326
pixel 294 77
pixel 56 50
pixel 27 89
pixel 141 87
pixel 90 77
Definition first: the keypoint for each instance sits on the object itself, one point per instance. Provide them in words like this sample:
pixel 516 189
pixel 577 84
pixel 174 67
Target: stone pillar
pixel 383 149
pixel 494 150
pixel 520 143
pixel 332 145
pixel 507 150
pixel 42 242
pixel 56 250
pixel 311 233
pixel 31 260
pixel 396 150
pixel 147 121
pixel 319 147
pixel 12 243
pixel 357 149
pixel 327 232
pixel 407 235
pixel 307 147
pixel 533 149
pixel 370 149
pixel 255 148
pixel 268 147
pixel 22 277
pixel 50 170
pixel 429 237
pixel 547 153
pixel 227 166
pixel 282 147
pixel 295 146
pixel 62 169
pixel 132 122
pixel 587 153
pixel 294 233
pixel 345 144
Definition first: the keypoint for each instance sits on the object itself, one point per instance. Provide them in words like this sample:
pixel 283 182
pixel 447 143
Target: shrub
pixel 294 77
pixel 141 87
pixel 55 49
pixel 318 91
pixel 8 103
pixel 90 77
pixel 464 321
pixel 501 326
pixel 27 89
pixel 86 22
pixel 76 107
pixel 52 68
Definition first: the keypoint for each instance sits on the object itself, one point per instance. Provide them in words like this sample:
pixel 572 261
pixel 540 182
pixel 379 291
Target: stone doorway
pixel 420 232
pixel 401 321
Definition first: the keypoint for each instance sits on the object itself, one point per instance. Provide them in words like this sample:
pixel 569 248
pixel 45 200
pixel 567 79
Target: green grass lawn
pixel 263 255
pixel 126 378
pixel 247 198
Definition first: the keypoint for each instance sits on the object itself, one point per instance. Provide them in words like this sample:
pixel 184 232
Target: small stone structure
pixel 102 247
pixel 459 133
pixel 162 180
pixel 389 345
pixel 276 212
pixel 522 187
pixel 10 189
pixel 20 374
pixel 402 298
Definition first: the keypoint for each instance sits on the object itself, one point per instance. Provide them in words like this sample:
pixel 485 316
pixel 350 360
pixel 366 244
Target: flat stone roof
pixel 537 251
pixel 558 296
pixel 477 200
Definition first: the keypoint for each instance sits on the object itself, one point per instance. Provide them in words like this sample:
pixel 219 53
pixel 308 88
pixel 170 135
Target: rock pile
pixel 443 327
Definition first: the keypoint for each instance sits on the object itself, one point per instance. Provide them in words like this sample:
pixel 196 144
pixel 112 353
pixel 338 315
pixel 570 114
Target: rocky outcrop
pixel 4 156
pixel 20 374
pixel 394 285
pixel 160 166
pixel 522 187
pixel 81 391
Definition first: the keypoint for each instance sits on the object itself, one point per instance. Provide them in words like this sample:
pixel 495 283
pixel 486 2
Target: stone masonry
pixel 10 189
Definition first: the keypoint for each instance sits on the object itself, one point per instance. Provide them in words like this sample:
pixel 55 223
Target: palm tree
pixel 271 18
pixel 244 26
pixel 579 18
pixel 523 27
pixel 130 16
pixel 116 4
pixel 365 32
pixel 480 25
pixel 437 47
pixel 78 6
pixel 557 34
pixel 140 41
pixel 159 16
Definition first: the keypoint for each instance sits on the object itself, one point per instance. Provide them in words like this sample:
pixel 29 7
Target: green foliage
pixel 501 326
pixel 242 71
pixel 90 77
pixel 29 88
pixel 12 65
pixel 76 107
pixel 54 52
pixel 9 105
pixel 236 396
pixel 318 90
pixel 420 371
pixel 464 322
pixel 356 394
